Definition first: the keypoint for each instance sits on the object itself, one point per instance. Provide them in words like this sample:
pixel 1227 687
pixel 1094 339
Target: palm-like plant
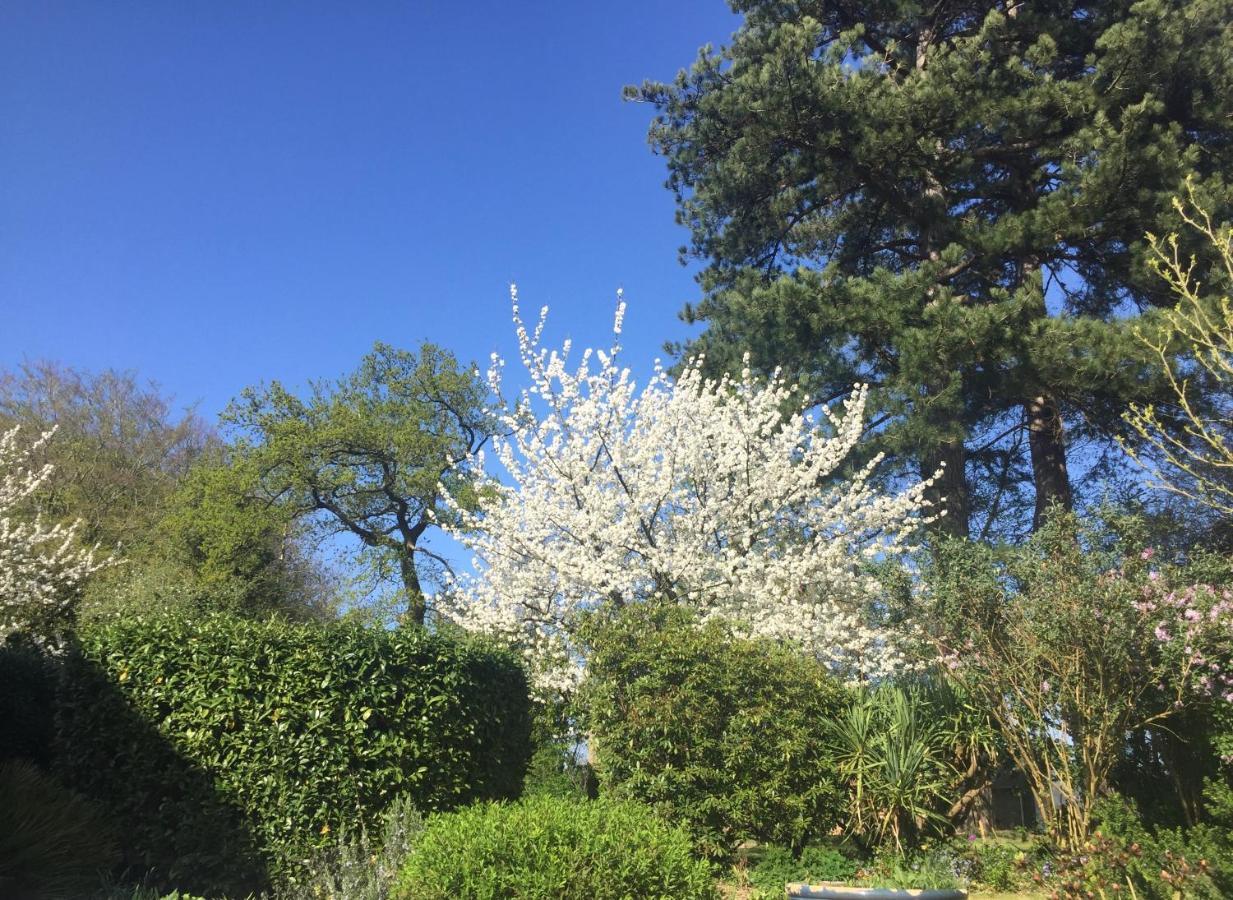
pixel 894 754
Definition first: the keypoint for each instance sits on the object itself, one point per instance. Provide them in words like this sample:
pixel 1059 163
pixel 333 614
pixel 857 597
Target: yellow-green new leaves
pixel 1194 343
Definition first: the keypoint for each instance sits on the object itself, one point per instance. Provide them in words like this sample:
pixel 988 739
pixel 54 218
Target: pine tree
pixel 949 201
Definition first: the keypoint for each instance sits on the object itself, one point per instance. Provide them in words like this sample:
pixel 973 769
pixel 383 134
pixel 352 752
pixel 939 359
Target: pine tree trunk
pixel 950 491
pixel 1046 440
pixel 1046 435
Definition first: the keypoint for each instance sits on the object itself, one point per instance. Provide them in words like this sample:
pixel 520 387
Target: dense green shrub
pixel 718 733
pixel 937 869
pixel 1218 790
pixel 53 843
pixel 1126 857
pixel 1001 865
pixel 553 848
pixel 226 748
pixel 777 866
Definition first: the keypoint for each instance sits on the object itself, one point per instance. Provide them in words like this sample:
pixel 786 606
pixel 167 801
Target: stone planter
pixel 834 890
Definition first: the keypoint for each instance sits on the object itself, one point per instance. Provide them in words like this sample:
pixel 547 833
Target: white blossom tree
pixel 702 491
pixel 41 566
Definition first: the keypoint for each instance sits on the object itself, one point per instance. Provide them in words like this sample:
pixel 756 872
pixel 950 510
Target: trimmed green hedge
pixel 27 704
pixel 720 734
pixel 228 750
pixel 553 848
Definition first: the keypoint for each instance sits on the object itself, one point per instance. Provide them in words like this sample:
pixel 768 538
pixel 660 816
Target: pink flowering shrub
pixel 1193 626
pixel 1073 641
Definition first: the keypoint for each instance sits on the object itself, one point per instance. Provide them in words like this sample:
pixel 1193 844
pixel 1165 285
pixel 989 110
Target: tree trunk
pixel 1046 440
pixel 417 607
pixel 950 491
pixel 1046 436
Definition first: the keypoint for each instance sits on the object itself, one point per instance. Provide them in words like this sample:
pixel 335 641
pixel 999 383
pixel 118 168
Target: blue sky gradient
pixel 219 194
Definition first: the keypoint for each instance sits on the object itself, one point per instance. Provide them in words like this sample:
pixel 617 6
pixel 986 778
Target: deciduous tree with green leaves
pixel 947 201
pixel 370 454
pixel 1194 344
pixel 119 449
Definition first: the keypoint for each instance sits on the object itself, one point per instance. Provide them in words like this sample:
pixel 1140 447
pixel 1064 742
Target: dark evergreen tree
pixel 949 200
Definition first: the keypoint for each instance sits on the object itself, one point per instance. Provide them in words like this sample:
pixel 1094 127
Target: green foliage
pixel 777 866
pixel 556 766
pixel 935 870
pixel 228 550
pixel 367 455
pixel 886 191
pixel 1000 865
pixel 361 866
pixel 1124 856
pixel 718 733
pixel 227 748
pixel 1053 638
pixel 896 748
pixel 159 586
pixel 555 770
pixel 53 843
pixel 551 848
pixel 119 448
pixel 1218 789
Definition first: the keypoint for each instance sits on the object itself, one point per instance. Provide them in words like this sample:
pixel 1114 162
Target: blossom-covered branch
pixel 719 493
pixel 40 566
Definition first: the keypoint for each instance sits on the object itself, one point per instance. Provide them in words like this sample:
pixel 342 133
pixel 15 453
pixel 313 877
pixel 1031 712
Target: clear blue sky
pixel 216 194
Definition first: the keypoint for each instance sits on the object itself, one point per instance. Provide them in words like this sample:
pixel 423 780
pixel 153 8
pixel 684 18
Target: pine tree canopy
pixel 949 201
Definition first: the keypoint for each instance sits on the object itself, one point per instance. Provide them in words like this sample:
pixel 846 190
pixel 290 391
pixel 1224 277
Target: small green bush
pixel 934 870
pixel 361 866
pixel 999 865
pixel 552 848
pixel 231 750
pixel 718 733
pixel 777 866
pixel 1125 856
pixel 53 843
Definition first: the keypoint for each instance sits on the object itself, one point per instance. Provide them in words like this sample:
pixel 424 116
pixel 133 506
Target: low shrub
pixel 53 843
pixel 231 750
pixel 938 869
pixel 718 733
pixel 360 865
pixel 552 848
pixel 777 866
pixel 1123 856
pixel 998 865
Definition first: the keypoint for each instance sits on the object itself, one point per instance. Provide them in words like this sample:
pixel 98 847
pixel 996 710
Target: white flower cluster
pixel 720 494
pixel 40 566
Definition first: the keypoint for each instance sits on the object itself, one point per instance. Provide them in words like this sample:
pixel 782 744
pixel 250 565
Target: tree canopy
pixel 949 201
pixel 369 455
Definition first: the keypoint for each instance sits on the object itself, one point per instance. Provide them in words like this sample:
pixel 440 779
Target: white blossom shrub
pixel 41 566
pixel 692 488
